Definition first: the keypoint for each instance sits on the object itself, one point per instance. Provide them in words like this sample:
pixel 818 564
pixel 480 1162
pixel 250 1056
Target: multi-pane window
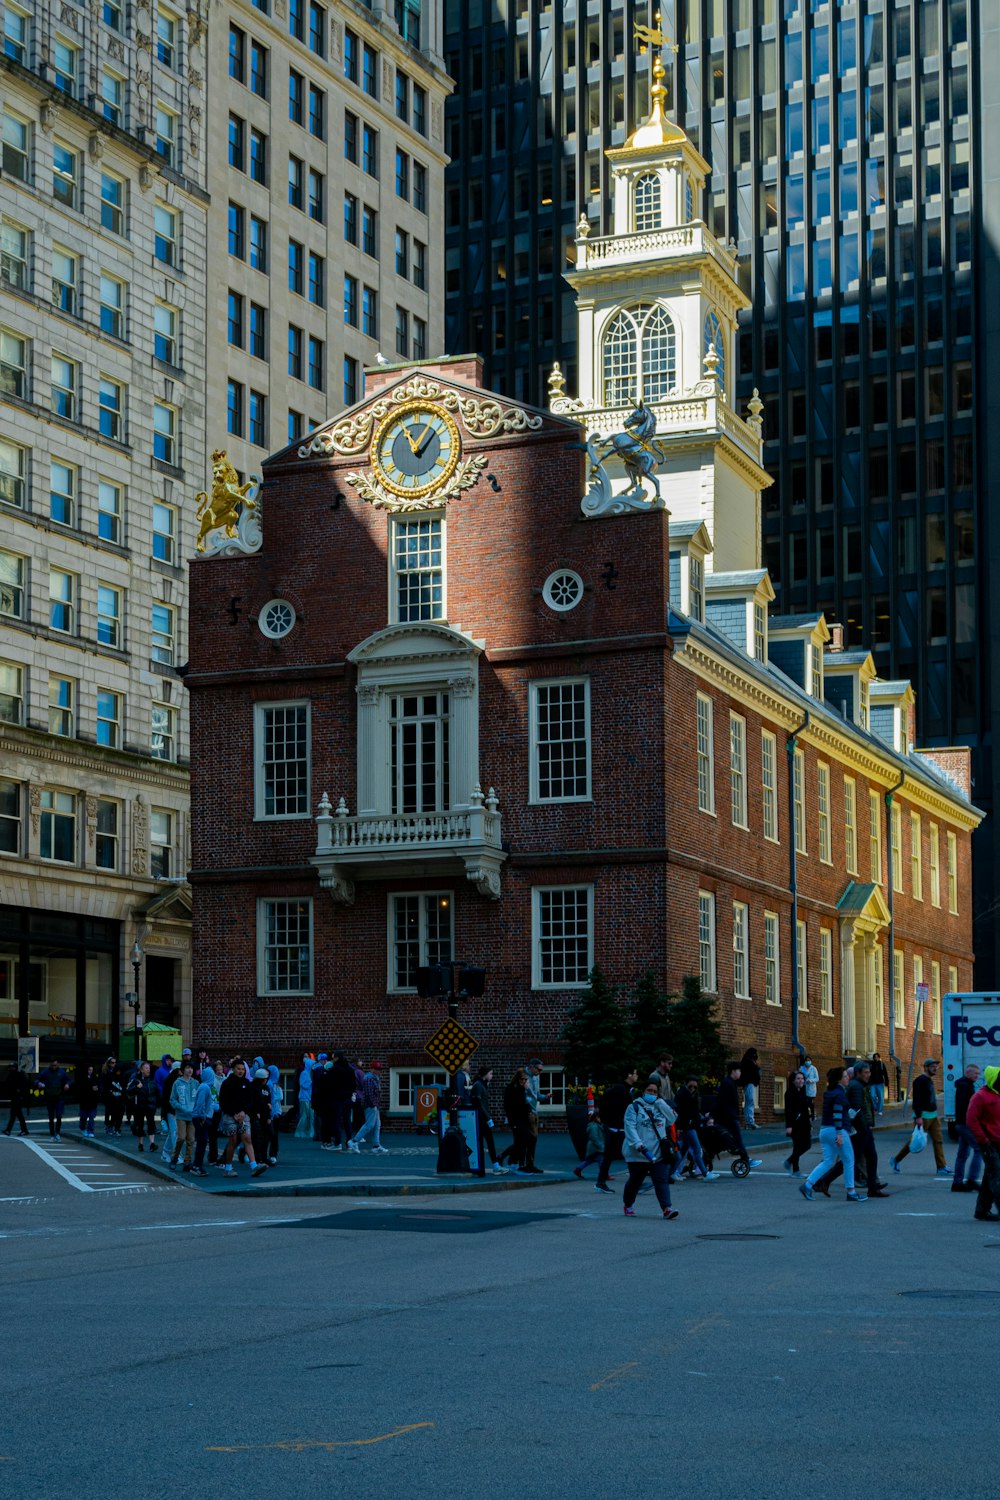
pixel 420 934
pixel 562 936
pixel 65 381
pixel 164 532
pixel 257 426
pixel 402 332
pixel 163 625
pixel 875 835
pixel 317 112
pixel 16 157
pixel 297 19
pixel 639 352
pixel 760 632
pixel 369 150
pixel 165 333
pixel 107 834
pixel 696 587
pixel 738 770
pixel 166 39
pixel 704 754
pixel 65 67
pixel 316 290
pixel 741 949
pixel 12 576
pixel 850 826
pixel 316 196
pixel 109 718
pixel 296 425
pixel 15 245
pixel 316 363
pixel 296 97
pixel 237 231
pixel 877 986
pixel 258 331
pixel 57 826
pixel 420 741
pixel 10 817
pixel 823 811
pixel 898 989
pixel 560 741
pixel 801 963
pixel 258 244
pixel 296 268
pixel 111 409
pixel 896 836
pixel 706 939
pixel 826 971
pixel 317 28
pixel 161 844
pixel 237 54
pixel 369 312
pixel 237 143
pixel 63 483
pixel 934 850
pixel 935 997
pixel 952 847
pixel 369 71
pixel 65 280
pixel 916 857
pixel 11 693
pixel 647 202
pixel 281 733
pixel 165 134
pixel 16 32
pixel 352 52
pixel 402 175
pixel 799 792
pixel 165 234
pixel 62 705
pixel 258 156
pixel 419 109
pixel 112 305
pixel 14 355
pixel 163 732
pixel 420 187
pixel 258 69
pixel 369 231
pixel 418 570
pixel 402 96
pixel 109 616
pixel 113 206
pixel 165 433
pixel 772 978
pixel 236 319
pixel 284 947
pixel 13 472
pixel 62 601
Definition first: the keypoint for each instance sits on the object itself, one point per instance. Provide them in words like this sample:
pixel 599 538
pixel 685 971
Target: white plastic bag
pixel 918 1140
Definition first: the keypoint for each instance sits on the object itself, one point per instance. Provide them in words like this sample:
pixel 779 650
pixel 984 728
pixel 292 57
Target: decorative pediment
pixel 863 904
pixel 423 642
pixel 171 905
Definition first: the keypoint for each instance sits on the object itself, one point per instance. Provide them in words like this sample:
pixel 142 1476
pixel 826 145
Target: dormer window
pixel 817 672
pixel 640 355
pixel 760 632
pixel 647 202
pixel 688 200
pixel 714 334
pixel 696 587
pixel 863 702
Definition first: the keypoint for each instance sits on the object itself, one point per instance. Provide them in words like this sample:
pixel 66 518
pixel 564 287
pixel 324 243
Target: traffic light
pixel 472 981
pixel 433 980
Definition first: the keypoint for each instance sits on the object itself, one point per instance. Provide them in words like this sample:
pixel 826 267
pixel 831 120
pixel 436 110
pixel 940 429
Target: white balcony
pixel 373 846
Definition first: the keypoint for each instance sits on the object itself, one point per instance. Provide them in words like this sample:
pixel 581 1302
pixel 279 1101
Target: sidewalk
pixel 304 1170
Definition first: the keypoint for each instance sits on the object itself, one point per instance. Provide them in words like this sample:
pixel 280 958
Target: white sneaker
pixel 499 1170
pixel 380 1151
pixel 353 1146
pixel 711 1177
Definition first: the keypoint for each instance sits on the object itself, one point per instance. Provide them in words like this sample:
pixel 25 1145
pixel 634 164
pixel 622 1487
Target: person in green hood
pixel 983 1120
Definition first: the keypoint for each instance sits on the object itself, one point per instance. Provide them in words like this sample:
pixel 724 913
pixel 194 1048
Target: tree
pixel 597 1034
pixel 695 1040
pixel 650 1024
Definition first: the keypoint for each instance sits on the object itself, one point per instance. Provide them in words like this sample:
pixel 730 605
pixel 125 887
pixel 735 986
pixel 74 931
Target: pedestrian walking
pixel 533 1071
pixel 322 1101
pixel 54 1082
pixel 879 1083
pixel 260 1113
pixel 614 1102
pixel 167 1118
pixel 371 1099
pixel 236 1102
pixel 343 1086
pixel 750 1079
pixel 798 1121
pixel 594 1145
pixel 107 1073
pixel 727 1112
pixel 687 1106
pixel 19 1094
pixel 983 1120
pixel 968 1151
pixel 277 1102
pixel 834 1137
pixel 182 1097
pixel 810 1073
pixel 88 1094
pixel 201 1115
pixel 481 1103
pixel 661 1077
pixel 649 1151
pixel 358 1105
pixel 305 1124
pixel 861 1123
pixel 515 1107
pixel 116 1101
pixel 925 1113
pixel 142 1097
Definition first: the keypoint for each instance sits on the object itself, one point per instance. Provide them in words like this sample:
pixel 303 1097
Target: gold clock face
pixel 416 449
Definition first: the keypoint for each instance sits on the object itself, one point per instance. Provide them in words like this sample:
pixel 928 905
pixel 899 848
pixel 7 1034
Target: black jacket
pixel 749 1072
pixel 18 1087
pixel 727 1103
pixel 260 1100
pixel 688 1107
pixel 481 1099
pixel 515 1105
pixel 343 1082
pixel 880 1073
pixel 88 1090
pixel 797 1116
pixel 964 1090
pixel 234 1096
pixel 924 1094
pixel 142 1092
pixel 614 1102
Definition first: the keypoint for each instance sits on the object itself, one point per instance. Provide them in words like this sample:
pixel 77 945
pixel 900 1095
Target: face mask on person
pixel 651 1098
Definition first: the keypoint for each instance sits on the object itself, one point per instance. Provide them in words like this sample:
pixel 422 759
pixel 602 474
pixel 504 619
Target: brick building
pixel 479 694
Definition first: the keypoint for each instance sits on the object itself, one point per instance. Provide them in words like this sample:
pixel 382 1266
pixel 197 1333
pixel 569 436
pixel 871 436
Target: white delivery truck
pixel 971 1035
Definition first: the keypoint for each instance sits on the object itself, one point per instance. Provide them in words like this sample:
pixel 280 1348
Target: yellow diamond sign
pixel 450 1045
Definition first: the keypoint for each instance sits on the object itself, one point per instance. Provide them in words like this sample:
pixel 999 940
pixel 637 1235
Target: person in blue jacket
pixel 834 1137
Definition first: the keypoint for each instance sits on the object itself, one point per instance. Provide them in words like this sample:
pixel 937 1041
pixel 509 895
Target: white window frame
pixel 260 713
pixel 878 984
pixel 952 856
pixel 166 736
pixel 934 849
pixel 799 792
pixel 916 856
pixel 738 770
pixel 875 835
pixel 114 719
pixel 823 812
pixel 952 979
pixel 13 480
pixel 69 603
pixel 394 574
pixel 171 536
pixel 825 971
pixel 899 986
pixel 15 372
pixel 62 713
pixel 16 821
pixel 552 1083
pixel 535 689
pixel 935 997
pixel 769 784
pixel 772 959
pixel 780 1087
pixel 705 750
pixel 850 825
pixel 537 892
pixel 158 652
pixel 13 593
pixel 741 950
pixel 116 836
pixel 263 989
pixel 18 676
pixel 50 811
pixel 424 897
pixel 415 1078
pixel 707 966
pixel 802 961
pixel 896 835
pixel 110 621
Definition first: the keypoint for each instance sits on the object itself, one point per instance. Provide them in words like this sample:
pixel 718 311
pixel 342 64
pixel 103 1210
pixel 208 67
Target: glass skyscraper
pixel 846 150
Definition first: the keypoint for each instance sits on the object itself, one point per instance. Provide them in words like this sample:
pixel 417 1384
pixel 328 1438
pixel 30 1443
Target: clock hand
pixel 424 438
pixel 408 431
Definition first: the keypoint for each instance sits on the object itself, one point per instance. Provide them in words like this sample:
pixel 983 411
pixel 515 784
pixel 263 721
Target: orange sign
pixel 426 1104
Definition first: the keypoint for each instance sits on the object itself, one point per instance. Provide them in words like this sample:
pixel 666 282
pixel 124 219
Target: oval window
pixel 276 619
pixel 563 590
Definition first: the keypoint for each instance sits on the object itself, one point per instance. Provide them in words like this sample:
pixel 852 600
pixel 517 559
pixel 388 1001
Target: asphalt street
pixel 527 1345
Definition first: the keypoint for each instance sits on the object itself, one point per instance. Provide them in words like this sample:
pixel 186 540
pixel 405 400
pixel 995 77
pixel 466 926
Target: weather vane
pixel 652 36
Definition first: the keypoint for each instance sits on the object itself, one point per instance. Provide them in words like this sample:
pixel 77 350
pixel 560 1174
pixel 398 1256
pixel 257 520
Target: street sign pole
pixel 919 1001
pixel 450 1046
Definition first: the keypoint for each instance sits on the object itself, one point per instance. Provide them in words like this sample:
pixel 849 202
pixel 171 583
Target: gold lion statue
pixel 222 508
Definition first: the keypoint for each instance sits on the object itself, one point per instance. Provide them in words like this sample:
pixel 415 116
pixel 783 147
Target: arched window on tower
pixel 640 355
pixel 715 334
pixel 647 202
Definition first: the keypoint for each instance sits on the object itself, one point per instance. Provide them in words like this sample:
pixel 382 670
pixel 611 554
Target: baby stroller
pixel 715 1141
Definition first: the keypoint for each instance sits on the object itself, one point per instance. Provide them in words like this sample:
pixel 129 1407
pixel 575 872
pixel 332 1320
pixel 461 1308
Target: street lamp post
pixel 137 957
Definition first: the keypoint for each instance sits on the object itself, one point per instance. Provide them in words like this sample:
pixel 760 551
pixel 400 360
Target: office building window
pixel 109 616
pixel 16 156
pixel 317 362
pixel 165 434
pixel 57 826
pixel 10 814
pixel 112 306
pixel 62 601
pixel 257 429
pixel 317 112
pixel 350 380
pixel 106 834
pixel 165 229
pixel 12 576
pixel 111 409
pixel 165 333
pixel 317 279
pixel 163 631
pixel 64 482
pixel 369 312
pixel 13 472
pixel 369 231
pixel 402 332
pixel 11 693
pixel 62 705
pixel 109 718
pixel 235 408
pixel 237 231
pixel 164 532
pixel 14 358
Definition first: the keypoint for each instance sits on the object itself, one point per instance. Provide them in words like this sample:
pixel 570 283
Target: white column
pixel 847 1020
pixel 373 751
pixel 464 719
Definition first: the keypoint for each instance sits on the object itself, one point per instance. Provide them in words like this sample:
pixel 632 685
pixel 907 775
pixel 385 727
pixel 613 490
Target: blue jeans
pixel 878 1097
pixel 87 1117
pixel 749 1100
pixel 966 1147
pixel 371 1127
pixel 831 1153
pixel 689 1145
pixel 170 1126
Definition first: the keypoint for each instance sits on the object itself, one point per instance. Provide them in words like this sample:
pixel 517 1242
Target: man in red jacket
pixel 983 1120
